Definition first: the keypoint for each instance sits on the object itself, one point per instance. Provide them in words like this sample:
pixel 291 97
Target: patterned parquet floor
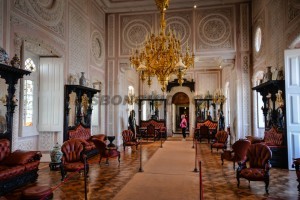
pixel 219 181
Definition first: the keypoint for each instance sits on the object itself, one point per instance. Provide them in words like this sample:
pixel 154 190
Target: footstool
pixel 37 193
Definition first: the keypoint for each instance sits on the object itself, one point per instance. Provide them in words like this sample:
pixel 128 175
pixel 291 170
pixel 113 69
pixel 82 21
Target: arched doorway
pixel 180 106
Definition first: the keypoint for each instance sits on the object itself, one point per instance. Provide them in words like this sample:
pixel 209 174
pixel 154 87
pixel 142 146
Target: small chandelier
pixel 161 55
pixel 132 99
pixel 219 98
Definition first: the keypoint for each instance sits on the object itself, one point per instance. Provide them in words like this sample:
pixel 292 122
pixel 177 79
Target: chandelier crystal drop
pixel 161 55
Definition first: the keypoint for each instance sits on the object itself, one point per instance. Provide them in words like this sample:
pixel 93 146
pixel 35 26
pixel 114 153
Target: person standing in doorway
pixel 183 125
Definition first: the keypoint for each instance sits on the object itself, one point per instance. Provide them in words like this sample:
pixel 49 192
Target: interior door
pixel 292 96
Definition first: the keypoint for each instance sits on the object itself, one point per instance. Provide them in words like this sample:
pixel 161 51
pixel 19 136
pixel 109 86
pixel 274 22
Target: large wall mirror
pixel 152 109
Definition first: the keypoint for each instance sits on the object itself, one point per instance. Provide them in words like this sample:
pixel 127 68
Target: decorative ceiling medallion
pixel 214 29
pixel 181 27
pixel 135 32
pixel 97 47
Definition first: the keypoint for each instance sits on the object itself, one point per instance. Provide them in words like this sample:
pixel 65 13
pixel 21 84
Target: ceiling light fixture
pixel 161 55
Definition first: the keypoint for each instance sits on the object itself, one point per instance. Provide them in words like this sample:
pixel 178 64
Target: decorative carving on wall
pixel 293 37
pixel 111 36
pixel 245 65
pixel 97 49
pixel 79 35
pixel 134 30
pixel 215 29
pixel 260 22
pixel 293 9
pixel 82 4
pixel 275 26
pixel 98 16
pixel 180 23
pixel 49 13
pixel 245 27
pixel 246 94
pixel 1 21
pixel 37 45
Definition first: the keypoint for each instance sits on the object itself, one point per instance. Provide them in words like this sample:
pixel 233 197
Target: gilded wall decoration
pixel 78 45
pixel 293 9
pixel 214 29
pixel 134 30
pixel 49 13
pixel 97 48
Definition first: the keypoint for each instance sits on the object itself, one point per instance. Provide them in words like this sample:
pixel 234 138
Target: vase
pixel 268 75
pixel 56 153
pixel 82 80
pixel 3 56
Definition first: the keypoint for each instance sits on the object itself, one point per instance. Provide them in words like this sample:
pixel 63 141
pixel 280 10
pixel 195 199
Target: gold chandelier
pixel 219 97
pixel 161 55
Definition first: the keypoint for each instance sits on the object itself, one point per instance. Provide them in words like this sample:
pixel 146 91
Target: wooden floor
pixel 219 181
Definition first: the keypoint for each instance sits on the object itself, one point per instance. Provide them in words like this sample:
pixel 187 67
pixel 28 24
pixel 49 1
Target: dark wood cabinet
pixel 11 75
pixel 77 107
pixel 273 94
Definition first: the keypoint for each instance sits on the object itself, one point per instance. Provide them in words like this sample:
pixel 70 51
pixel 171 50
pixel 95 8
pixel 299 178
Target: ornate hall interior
pixel 81 72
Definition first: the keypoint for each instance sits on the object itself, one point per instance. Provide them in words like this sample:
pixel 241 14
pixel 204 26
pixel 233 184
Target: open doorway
pixel 180 105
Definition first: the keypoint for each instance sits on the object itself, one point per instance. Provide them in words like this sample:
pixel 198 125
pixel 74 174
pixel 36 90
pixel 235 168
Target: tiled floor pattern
pixel 219 181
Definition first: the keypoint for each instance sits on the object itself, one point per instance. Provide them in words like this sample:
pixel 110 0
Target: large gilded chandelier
pixel 161 55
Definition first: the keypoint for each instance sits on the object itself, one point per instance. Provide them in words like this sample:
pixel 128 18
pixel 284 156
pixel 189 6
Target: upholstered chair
pixel 106 152
pixel 151 132
pixel 221 140
pixel 74 158
pixel 296 165
pixel 204 133
pixel 258 156
pixel 238 152
pixel 129 139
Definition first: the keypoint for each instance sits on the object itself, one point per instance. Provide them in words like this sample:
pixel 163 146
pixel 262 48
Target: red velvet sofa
pixel 84 135
pixel 17 168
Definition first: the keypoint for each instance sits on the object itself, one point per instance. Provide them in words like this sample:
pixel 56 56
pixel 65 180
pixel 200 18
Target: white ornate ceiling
pixel 115 6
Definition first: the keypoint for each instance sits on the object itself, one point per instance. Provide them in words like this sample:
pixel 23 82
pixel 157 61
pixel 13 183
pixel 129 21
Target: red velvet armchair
pixel 221 140
pixel 106 152
pixel 128 139
pixel 238 152
pixel 74 158
pixel 259 156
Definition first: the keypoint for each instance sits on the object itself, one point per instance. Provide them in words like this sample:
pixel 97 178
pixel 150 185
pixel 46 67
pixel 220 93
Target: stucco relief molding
pixel 260 22
pixel 246 64
pixel 244 10
pixel 111 35
pixel 215 28
pixel 293 36
pixel 48 13
pixel 181 27
pixel 33 40
pixel 97 48
pixel 293 10
pixel 134 34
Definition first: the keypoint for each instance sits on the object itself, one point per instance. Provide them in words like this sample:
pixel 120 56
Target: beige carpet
pixel 167 175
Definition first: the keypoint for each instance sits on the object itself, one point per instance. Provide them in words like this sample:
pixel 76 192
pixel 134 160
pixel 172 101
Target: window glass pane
pixel 29 65
pixel 28 103
pixel 260 116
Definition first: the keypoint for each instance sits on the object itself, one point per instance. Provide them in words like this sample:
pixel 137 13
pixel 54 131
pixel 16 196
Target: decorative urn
pixel 56 153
